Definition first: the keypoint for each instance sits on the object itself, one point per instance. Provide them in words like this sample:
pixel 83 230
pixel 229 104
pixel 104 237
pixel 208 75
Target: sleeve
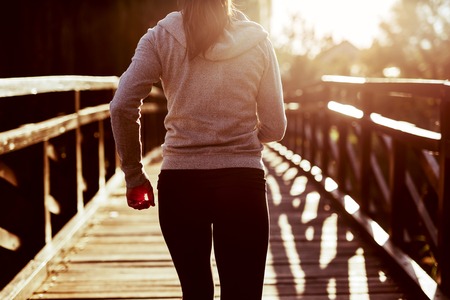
pixel 270 103
pixel 134 85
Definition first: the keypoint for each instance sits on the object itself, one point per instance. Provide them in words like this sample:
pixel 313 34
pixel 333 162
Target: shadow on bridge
pixel 314 253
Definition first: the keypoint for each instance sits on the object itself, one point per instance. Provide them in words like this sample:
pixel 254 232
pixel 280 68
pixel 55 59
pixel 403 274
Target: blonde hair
pixel 204 21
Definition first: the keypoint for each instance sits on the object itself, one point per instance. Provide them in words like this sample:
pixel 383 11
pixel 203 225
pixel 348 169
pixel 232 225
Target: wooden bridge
pixel 357 195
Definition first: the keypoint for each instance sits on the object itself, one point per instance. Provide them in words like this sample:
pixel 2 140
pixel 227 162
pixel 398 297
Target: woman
pixel 224 99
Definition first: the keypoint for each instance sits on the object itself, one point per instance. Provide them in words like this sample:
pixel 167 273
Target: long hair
pixel 204 21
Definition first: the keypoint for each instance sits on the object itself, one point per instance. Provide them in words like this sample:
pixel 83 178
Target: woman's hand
pixel 141 197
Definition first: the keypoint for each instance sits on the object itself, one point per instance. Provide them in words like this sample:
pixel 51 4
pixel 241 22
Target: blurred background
pixel 378 38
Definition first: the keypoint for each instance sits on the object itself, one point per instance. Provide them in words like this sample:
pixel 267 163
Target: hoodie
pixel 222 106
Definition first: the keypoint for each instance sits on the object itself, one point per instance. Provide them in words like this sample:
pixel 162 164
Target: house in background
pixel 342 59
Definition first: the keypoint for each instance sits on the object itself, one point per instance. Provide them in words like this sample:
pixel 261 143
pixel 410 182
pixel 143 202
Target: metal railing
pixel 384 145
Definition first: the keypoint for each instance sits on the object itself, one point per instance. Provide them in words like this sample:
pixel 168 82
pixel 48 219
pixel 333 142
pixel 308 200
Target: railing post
pixel 313 137
pixel 101 157
pixel 78 151
pixel 365 142
pixel 444 195
pixel 325 123
pixel 302 136
pixel 342 154
pixel 301 127
pixel 47 216
pixel 294 137
pixel 399 211
pixel 289 141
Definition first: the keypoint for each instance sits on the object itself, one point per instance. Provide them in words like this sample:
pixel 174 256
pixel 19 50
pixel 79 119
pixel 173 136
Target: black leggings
pixel 224 207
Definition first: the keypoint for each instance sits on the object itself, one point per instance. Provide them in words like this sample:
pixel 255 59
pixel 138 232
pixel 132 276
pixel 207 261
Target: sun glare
pixel 355 21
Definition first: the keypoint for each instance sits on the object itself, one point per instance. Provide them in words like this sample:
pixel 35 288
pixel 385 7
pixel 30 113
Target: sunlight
pixel 355 21
pixel 315 171
pixel 392 72
pixel 328 243
pixel 305 165
pixel 289 154
pixel 9 240
pixel 344 79
pixel 356 272
pixel 345 109
pixel 350 205
pixel 52 205
pixel 379 234
pixel 296 203
pixel 293 257
pixel 281 168
pixel 330 185
pixel 331 289
pixel 275 161
pixel 349 236
pixel 405 127
pixel 292 106
pixel 290 174
pixel 318 177
pixel 281 149
pixel 309 233
pixel 311 207
pixel 274 189
pixel 296 159
pixel 382 276
pixel 299 186
pixel 114 214
pixel 8 174
pixel 427 284
pixel 270 272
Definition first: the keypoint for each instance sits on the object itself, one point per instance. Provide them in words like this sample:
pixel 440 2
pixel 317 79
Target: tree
pixel 299 52
pixel 50 37
pixel 416 41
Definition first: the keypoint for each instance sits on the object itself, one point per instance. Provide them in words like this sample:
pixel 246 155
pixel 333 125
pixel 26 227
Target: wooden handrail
pixel 21 86
pixel 369 155
pixel 418 87
pixel 31 134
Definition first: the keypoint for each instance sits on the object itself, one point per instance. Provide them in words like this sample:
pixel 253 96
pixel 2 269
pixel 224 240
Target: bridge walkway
pixel 314 252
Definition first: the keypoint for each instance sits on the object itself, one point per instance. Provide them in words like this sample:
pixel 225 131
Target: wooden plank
pixel 413 278
pixel 35 272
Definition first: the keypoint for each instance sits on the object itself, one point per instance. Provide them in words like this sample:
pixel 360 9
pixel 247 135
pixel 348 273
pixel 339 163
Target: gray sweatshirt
pixel 221 106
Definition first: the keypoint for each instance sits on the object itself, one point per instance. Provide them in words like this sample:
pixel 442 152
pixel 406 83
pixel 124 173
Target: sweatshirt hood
pixel 239 37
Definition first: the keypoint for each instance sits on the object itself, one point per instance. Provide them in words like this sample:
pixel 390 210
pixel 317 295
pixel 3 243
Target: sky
pixel 353 20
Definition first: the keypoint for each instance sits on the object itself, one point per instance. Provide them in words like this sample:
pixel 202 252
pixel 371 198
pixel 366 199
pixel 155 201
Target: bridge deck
pixel 314 253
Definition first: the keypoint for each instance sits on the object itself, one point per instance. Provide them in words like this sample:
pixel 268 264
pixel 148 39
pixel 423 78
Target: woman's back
pixel 213 98
pixel 223 103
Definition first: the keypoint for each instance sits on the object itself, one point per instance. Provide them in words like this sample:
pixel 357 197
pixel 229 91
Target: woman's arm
pixel 270 103
pixel 135 84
